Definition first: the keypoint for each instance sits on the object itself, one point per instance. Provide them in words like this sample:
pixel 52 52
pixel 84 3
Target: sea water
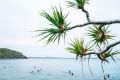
pixel 56 69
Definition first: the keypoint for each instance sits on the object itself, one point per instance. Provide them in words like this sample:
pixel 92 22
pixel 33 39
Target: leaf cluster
pixel 99 35
pixel 106 55
pixel 78 48
pixel 77 3
pixel 57 20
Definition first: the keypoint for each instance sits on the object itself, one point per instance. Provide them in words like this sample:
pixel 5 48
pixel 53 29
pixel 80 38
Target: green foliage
pixel 99 35
pixel 108 54
pixel 57 20
pixel 78 48
pixel 77 3
pixel 10 54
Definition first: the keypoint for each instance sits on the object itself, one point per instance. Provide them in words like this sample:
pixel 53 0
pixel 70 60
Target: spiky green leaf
pixel 58 22
pixel 77 3
pixel 99 36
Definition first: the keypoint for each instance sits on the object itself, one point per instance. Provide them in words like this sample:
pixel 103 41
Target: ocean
pixel 56 69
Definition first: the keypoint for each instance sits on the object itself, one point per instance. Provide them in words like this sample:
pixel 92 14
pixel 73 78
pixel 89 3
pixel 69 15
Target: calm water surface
pixel 55 69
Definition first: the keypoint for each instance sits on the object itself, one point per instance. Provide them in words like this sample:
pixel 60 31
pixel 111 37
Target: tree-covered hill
pixel 11 54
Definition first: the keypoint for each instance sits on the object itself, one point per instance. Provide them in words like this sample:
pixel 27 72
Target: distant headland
pixel 11 54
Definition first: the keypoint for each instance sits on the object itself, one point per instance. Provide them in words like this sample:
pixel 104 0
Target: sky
pixel 20 18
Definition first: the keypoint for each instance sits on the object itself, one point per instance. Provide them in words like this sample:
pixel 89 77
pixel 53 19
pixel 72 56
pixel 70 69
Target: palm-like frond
pixel 77 3
pixel 99 36
pixel 78 48
pixel 52 35
pixel 108 54
pixel 57 19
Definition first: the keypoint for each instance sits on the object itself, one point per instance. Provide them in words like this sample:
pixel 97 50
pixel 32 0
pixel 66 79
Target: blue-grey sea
pixel 56 69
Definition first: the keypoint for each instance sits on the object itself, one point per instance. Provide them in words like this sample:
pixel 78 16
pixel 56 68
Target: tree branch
pixel 87 14
pixel 105 50
pixel 95 23
pixel 109 47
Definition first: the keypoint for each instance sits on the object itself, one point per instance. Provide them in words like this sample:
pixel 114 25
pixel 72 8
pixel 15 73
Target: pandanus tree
pixel 98 32
pixel 58 21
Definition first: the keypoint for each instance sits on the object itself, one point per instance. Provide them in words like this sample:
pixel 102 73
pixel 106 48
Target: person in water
pixel 4 67
pixel 38 70
pixel 71 73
